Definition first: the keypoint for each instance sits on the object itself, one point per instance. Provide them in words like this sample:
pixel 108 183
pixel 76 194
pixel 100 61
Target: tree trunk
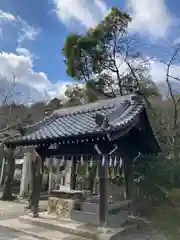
pixel 7 191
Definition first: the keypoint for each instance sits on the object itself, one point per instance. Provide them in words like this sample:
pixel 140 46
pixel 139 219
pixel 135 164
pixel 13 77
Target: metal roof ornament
pixel 101 120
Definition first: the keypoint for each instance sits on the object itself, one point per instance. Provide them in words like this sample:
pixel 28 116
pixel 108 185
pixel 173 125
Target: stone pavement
pixel 39 232
pixel 13 229
pixel 15 209
pixel 10 210
pixel 7 234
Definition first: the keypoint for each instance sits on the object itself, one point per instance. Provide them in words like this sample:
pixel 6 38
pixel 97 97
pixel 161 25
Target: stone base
pixel 93 207
pixel 61 207
pixel 113 220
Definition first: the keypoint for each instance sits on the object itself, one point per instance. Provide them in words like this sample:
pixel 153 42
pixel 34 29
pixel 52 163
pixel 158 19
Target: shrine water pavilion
pixel 108 134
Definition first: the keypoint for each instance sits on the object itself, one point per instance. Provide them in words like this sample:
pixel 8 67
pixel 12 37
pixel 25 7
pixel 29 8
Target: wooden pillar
pixel 36 173
pixel 73 173
pixel 103 181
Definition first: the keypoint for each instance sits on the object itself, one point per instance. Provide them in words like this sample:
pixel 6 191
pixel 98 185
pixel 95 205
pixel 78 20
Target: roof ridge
pixel 90 110
pixel 94 106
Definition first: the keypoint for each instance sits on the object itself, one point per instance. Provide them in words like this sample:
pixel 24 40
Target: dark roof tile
pixel 80 120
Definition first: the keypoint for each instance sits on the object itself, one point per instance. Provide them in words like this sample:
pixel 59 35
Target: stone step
pixel 67 226
pixel 37 232
pixel 62 225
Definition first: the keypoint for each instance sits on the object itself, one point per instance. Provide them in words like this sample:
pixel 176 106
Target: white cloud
pixel 158 71
pixel 24 52
pixel 22 67
pixel 6 16
pixel 27 32
pixel 21 64
pixel 150 17
pixel 87 13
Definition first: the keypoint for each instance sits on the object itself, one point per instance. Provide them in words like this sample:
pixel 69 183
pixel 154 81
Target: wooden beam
pixel 85 149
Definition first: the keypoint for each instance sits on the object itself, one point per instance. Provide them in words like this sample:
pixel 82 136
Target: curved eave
pixel 101 134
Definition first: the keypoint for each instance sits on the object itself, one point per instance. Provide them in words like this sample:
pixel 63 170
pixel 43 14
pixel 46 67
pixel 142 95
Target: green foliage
pixel 98 55
pixel 157 176
pixel 152 175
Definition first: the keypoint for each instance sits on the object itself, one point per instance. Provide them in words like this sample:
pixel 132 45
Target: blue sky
pixel 32 33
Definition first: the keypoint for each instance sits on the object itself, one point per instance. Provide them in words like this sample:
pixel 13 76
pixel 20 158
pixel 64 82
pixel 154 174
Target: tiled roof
pixel 83 120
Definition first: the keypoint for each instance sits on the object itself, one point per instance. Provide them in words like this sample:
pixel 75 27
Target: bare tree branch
pixel 10 113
